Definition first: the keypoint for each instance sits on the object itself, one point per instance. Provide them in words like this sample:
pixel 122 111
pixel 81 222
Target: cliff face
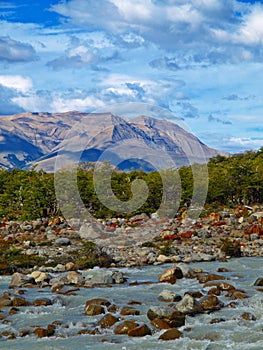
pixel 40 138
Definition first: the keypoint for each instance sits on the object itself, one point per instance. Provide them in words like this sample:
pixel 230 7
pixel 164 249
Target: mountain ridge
pixel 38 138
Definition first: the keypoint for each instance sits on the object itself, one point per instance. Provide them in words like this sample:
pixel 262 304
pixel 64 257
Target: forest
pixel 236 180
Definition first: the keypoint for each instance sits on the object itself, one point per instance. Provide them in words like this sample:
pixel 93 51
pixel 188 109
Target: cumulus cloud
pixel 244 143
pixel 210 32
pixel 13 51
pixel 16 82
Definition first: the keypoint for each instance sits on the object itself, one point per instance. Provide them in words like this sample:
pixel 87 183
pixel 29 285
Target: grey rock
pixel 62 241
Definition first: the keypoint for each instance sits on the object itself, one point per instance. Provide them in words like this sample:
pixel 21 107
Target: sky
pixel 200 59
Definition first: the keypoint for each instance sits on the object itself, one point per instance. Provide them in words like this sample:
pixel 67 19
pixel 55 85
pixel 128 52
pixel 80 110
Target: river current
pixel 234 333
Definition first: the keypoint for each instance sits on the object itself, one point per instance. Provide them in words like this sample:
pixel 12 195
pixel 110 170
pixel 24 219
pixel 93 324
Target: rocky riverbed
pixel 52 263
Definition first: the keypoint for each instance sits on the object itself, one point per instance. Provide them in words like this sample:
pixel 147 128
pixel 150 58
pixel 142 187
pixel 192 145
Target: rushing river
pixel 235 333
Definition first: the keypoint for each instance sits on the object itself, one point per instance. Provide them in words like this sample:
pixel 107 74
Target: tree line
pixel 235 180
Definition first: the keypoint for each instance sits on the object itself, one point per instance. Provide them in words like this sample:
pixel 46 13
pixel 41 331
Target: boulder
pixel 187 271
pixel 107 321
pixel 125 326
pixel 169 296
pixel 160 323
pixel 101 276
pixel 62 241
pixel 21 280
pixel 170 275
pixel 188 305
pixel 42 302
pixel 140 331
pixel 259 282
pixel 74 277
pixel 94 310
pixel 223 286
pixel 19 301
pixel 170 315
pixel 40 276
pixel 5 300
pixel 129 311
pixel 171 334
pixel 210 302
pixel 96 306
pixel 210 277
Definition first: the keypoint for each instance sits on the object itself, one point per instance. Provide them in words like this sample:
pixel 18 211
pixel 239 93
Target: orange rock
pixel 140 331
pixel 171 334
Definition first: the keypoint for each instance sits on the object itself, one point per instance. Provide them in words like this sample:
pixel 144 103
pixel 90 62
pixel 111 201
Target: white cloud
pixel 16 82
pixel 251 31
pixel 132 10
pixel 87 103
pixel 245 142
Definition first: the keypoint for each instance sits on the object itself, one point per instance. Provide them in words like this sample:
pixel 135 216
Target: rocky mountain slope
pixel 47 139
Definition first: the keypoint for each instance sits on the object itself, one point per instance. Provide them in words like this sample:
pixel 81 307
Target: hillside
pixel 43 138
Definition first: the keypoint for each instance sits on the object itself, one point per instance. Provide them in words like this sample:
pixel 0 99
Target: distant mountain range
pixel 49 139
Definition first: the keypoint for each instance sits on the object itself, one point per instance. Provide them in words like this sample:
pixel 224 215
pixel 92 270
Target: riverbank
pixel 59 245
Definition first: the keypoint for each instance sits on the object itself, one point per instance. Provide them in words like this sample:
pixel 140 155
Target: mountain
pixel 60 139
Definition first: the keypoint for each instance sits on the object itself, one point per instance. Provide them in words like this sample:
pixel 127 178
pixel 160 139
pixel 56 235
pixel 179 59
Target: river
pixel 198 334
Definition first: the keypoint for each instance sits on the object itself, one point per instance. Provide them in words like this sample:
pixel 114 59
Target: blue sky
pixel 201 59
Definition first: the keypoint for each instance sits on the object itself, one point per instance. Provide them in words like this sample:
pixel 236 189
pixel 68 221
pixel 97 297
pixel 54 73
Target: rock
pixel 90 231
pixel 163 258
pixel 13 311
pixel 5 300
pixel 98 301
pixel 118 277
pixel 188 305
pixel 217 320
pixel 19 301
pixel 170 275
pixel 223 286
pixel 94 310
pixel 195 294
pixel 170 315
pixel 237 294
pixel 70 266
pixel 214 291
pixel 96 306
pixel 125 326
pixel 187 271
pixel 40 276
pixel 259 282
pixel 171 334
pixel 42 302
pixel 140 331
pixel 101 276
pixel 107 321
pixel 56 287
pixel 62 241
pixel 45 332
pixel 210 302
pixel 257 215
pixel 74 277
pixel 248 316
pixel 21 280
pixel 210 277
pixel 169 296
pixel 24 333
pixel 129 311
pixel 160 323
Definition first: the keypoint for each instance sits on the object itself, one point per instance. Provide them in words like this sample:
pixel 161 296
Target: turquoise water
pixel 235 333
